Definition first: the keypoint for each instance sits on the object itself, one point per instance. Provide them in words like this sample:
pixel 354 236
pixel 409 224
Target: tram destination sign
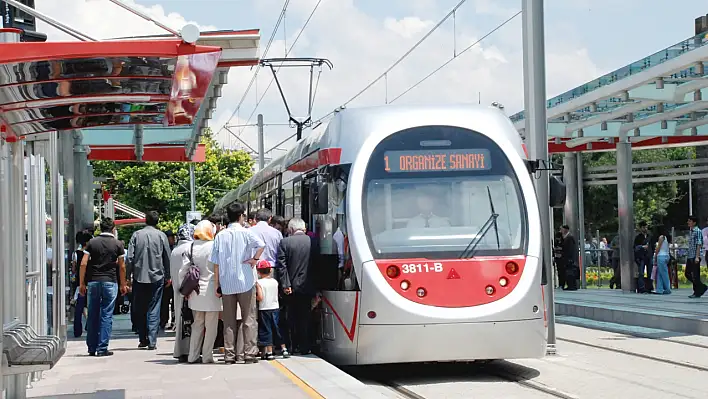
pixel 437 160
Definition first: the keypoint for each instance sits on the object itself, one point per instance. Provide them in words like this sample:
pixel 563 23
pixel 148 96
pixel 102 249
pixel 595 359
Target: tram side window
pixel 288 200
pixel 297 209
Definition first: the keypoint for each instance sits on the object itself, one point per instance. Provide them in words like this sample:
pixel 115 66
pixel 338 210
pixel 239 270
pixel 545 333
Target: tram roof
pixel 658 101
pixel 126 96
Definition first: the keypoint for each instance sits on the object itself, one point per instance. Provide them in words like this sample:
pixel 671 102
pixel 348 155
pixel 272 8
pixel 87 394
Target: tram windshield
pixel 430 211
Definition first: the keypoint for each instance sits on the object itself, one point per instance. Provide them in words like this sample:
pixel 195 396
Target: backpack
pixel 191 278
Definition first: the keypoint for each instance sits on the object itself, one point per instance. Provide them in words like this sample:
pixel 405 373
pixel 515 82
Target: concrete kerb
pixel 634 317
pixel 325 379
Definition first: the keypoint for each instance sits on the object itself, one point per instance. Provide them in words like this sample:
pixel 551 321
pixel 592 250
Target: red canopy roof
pixel 74 85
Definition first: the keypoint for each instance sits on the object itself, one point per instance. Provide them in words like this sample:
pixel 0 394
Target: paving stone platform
pixel 675 313
pixel 136 373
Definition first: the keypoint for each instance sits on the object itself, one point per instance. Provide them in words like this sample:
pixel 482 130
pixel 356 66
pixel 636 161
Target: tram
pixel 429 217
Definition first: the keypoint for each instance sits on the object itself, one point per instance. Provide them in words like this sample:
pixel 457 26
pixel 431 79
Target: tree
pixel 652 201
pixel 164 187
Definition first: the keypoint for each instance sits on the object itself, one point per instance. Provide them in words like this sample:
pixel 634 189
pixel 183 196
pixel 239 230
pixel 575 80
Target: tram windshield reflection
pixel 436 217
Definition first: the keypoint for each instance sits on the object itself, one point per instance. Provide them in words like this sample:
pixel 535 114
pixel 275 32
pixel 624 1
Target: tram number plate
pixel 422 268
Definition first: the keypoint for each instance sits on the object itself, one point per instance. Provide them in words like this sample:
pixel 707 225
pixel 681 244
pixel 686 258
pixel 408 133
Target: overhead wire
pixel 385 73
pixel 258 103
pixel 457 54
pixel 455 57
pixel 258 68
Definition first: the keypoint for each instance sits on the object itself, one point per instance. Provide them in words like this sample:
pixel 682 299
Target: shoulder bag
pixel 191 278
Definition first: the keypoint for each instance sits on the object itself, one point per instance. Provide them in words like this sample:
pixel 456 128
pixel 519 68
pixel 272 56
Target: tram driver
pixel 426 217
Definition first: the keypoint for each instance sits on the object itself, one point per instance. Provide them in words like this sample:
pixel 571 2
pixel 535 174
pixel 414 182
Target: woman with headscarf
pixel 185 236
pixel 204 303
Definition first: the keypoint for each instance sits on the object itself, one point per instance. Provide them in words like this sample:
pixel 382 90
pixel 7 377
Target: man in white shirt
pixel 426 218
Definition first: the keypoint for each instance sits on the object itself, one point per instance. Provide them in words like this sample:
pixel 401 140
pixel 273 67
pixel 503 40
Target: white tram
pixel 433 214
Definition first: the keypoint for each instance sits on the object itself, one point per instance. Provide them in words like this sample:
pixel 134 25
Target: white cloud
pixel 361 46
pixel 407 27
pixel 102 19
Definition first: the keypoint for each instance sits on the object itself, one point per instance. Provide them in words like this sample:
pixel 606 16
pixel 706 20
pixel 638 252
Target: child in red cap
pixel 268 311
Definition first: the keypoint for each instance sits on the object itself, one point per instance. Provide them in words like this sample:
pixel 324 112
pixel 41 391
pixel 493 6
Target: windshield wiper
pixel 491 221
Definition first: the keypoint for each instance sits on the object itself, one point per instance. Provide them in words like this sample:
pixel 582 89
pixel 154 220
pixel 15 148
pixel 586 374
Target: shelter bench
pixel 25 351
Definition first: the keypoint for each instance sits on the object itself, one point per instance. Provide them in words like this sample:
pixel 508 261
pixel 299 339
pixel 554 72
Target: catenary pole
pixel 537 136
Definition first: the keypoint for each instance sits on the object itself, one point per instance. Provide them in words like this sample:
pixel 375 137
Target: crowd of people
pixel 238 284
pixel 652 257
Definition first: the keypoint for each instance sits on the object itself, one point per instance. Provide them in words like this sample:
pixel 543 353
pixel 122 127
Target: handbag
pixel 191 278
pixel 187 320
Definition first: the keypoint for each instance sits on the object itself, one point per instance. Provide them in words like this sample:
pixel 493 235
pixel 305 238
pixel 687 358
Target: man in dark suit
pixel 293 272
pixel 569 257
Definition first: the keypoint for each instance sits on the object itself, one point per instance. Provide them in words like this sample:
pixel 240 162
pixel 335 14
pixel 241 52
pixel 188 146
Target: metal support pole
pixel 261 143
pixel 690 194
pixel 625 208
pixel 8 232
pixel 192 190
pixel 570 177
pixel 58 235
pixel 581 221
pixel 5 234
pixel 90 195
pixel 17 249
pixel 535 105
pixel 79 166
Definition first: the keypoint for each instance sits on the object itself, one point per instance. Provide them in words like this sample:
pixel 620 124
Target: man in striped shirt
pixel 235 281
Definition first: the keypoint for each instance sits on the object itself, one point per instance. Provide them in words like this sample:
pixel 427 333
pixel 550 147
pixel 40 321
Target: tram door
pixel 305 202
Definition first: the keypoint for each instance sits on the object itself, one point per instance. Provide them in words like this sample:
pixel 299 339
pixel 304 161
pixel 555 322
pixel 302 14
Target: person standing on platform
pixel 167 297
pixel 102 268
pixel 82 238
pixel 204 303
pixel 661 263
pixel 270 235
pixel 569 258
pixel 642 257
pixel 705 242
pixel 616 280
pixel 149 261
pixel 185 235
pixel 693 260
pixel 295 279
pixel 558 260
pixel 236 281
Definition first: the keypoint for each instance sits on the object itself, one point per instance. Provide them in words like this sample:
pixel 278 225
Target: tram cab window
pixel 442 214
pixel 430 211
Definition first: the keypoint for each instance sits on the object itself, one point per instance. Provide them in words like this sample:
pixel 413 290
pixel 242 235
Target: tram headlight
pixel 503 281
pixel 489 290
pixel 421 292
pixel 405 285
pixel 393 271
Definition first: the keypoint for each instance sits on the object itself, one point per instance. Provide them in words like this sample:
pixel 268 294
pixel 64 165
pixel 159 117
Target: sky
pixel 362 38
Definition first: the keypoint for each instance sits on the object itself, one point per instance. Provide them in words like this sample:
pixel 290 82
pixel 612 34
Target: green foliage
pixel 164 187
pixel 651 200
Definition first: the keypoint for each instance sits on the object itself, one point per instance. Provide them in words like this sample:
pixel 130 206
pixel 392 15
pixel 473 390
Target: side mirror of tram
pixel 556 194
pixel 320 203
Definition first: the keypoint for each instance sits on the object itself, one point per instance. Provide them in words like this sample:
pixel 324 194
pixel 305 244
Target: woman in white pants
pixel 205 305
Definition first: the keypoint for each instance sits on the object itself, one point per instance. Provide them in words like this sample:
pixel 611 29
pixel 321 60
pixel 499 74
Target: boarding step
pixel 691 318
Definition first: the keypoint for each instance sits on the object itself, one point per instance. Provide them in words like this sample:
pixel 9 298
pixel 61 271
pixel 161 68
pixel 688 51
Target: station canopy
pixel 134 99
pixel 658 101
